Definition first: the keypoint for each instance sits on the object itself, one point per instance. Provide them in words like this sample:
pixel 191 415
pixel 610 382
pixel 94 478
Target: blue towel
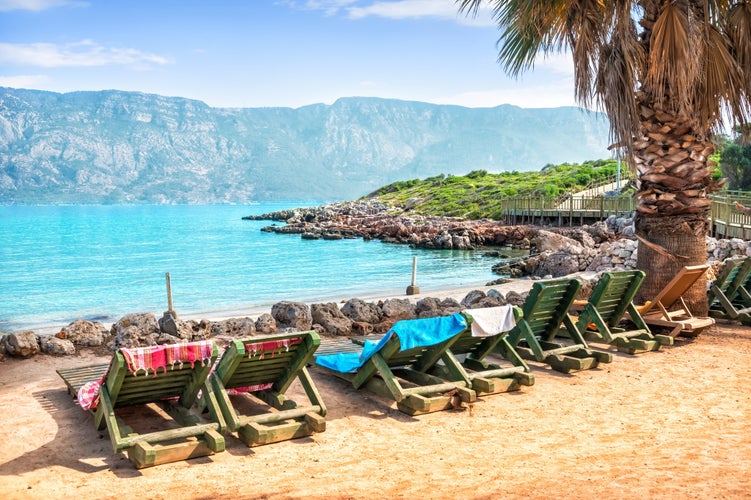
pixel 411 332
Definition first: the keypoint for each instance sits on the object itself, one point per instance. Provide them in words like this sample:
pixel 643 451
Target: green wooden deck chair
pixel 475 353
pixel 600 316
pixel 259 371
pixel 402 374
pixel 728 296
pixel 668 309
pixel 174 389
pixel 545 310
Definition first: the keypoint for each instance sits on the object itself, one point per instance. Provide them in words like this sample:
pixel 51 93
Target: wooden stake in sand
pixel 169 311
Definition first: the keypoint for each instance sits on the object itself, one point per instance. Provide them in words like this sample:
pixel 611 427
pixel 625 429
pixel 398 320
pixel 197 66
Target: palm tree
pixel 667 73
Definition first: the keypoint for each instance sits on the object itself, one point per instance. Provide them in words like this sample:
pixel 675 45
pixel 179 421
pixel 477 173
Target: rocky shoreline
pixel 554 252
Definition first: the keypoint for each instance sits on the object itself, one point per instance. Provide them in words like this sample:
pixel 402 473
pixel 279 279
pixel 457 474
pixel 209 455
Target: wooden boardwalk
pixel 727 221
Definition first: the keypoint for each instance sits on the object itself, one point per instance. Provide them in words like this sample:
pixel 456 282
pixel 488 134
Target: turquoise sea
pixel 60 263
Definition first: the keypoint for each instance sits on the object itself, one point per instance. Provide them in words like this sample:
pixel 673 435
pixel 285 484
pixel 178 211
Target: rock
pixel 22 344
pixel 398 309
pixel 292 315
pixel 363 328
pixel 487 301
pixel 473 297
pixel 265 324
pixel 331 319
pixel 546 241
pixel 556 264
pixel 430 307
pixel 359 310
pixel 176 328
pixel 234 327
pixel 84 333
pixel 135 330
pixel 515 298
pixel 55 346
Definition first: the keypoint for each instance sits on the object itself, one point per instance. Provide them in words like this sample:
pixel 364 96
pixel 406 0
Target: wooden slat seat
pixel 266 366
pixel 545 310
pixel 600 317
pixel 174 391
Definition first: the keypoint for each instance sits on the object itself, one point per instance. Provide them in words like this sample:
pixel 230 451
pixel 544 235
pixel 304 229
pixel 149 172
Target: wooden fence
pixel 727 221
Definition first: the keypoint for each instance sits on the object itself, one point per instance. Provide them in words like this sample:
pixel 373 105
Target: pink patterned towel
pixel 150 358
pixel 270 346
pixel 261 349
pixel 156 357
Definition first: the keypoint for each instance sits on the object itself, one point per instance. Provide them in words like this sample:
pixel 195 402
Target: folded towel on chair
pixel 412 333
pixel 489 321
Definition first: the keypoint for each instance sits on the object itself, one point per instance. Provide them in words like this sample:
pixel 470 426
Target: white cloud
pixel 38 5
pixel 526 95
pixel 80 54
pixel 24 81
pixel 398 9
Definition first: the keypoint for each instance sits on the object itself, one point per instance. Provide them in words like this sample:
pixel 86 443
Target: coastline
pixel 457 293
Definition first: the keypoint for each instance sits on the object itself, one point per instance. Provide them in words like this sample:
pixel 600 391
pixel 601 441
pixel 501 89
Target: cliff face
pixel 126 147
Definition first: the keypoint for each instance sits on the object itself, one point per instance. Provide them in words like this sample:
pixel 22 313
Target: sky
pixel 269 53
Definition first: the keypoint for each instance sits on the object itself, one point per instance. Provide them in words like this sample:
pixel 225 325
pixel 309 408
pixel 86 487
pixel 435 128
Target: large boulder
pixel 430 307
pixel 397 309
pixel 55 346
pixel 360 311
pixel 135 330
pixel 292 315
pixel 265 324
pixel 84 333
pixel 331 319
pixel 546 241
pixel 22 344
pixel 234 327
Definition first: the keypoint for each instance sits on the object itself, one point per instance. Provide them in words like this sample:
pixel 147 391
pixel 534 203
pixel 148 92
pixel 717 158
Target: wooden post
pixel 170 311
pixel 413 289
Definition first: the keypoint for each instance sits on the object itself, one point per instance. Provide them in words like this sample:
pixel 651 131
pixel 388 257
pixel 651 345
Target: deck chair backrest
pixel 729 278
pixel 478 347
pixel 271 362
pixel 679 285
pixel 547 305
pixel 180 380
pixel 613 293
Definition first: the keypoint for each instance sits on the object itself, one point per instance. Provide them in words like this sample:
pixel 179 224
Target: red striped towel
pixel 160 356
pixel 270 346
pixel 150 358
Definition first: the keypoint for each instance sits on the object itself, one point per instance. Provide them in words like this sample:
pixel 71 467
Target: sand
pixel 670 424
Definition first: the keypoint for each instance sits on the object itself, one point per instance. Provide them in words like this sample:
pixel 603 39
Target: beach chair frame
pixel 174 391
pixel 668 309
pixel 268 373
pixel 545 310
pixel 728 296
pixel 404 376
pixel 488 377
pixel 611 301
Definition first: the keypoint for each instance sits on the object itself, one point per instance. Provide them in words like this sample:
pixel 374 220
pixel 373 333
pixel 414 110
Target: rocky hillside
pixel 126 147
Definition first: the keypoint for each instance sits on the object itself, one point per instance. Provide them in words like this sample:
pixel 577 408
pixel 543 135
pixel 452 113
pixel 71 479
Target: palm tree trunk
pixel 672 218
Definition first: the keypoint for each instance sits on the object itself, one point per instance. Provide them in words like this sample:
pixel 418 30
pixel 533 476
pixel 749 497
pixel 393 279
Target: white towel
pixel 492 320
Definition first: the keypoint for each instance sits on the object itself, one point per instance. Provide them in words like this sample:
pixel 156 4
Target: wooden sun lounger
pixel 728 296
pixel 487 376
pixel 174 391
pixel 668 308
pixel 600 317
pixel 403 375
pixel 260 370
pixel 545 310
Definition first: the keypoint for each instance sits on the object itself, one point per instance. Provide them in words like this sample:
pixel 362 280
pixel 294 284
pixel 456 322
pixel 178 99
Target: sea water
pixel 61 263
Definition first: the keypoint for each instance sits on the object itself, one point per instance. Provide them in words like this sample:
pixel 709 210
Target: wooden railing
pixel 727 221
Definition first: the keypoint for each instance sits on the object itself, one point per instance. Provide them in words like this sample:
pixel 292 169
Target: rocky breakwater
pixel 353 317
pixel 371 219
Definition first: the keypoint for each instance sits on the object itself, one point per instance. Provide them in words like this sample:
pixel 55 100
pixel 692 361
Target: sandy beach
pixel 667 424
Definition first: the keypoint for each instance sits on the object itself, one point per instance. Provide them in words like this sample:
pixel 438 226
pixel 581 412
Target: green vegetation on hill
pixel 478 194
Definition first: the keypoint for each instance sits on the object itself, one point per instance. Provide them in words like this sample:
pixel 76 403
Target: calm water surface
pixel 59 263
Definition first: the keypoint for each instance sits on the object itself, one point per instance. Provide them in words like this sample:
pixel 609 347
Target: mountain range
pixel 129 147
